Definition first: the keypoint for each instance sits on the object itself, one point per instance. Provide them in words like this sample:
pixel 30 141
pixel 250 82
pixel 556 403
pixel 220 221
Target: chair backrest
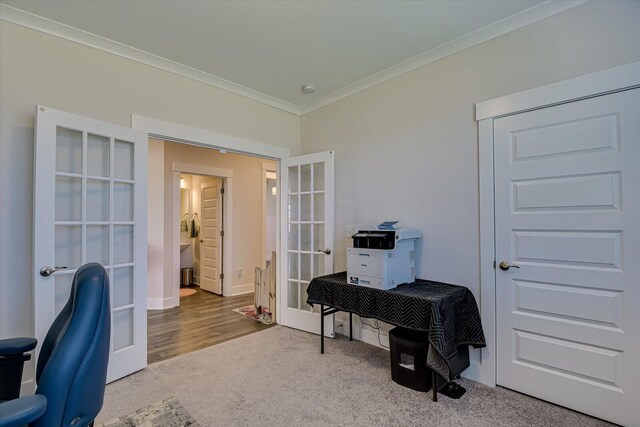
pixel 72 365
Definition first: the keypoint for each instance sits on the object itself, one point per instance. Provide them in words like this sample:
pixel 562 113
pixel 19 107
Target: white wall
pixel 407 149
pixel 36 68
pixel 155 241
pixel 270 220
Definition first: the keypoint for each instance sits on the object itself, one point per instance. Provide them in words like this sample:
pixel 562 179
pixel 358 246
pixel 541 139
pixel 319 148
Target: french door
pixel 90 206
pixel 567 200
pixel 306 236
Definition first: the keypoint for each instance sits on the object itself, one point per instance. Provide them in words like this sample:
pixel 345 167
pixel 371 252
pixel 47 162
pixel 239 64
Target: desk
pixel 448 313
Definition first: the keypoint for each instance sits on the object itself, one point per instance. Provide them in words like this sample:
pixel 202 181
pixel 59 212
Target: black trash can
pixel 409 358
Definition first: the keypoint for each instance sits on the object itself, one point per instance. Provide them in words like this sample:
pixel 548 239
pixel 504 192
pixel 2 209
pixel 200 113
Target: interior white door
pixel 211 238
pixel 90 206
pixel 567 200
pixel 306 237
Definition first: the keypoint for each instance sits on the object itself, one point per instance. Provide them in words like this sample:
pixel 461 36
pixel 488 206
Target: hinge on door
pixel 494 264
pixel 222 235
pixel 221 190
pixel 221 276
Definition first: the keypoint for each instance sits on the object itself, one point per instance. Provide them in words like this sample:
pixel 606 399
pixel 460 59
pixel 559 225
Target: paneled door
pixel 90 206
pixel 211 238
pixel 567 200
pixel 306 236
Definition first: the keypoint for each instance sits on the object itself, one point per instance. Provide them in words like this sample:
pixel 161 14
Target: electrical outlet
pixel 239 272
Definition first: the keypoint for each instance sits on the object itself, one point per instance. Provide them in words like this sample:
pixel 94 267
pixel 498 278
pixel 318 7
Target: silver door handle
pixel 47 271
pixel 324 251
pixel 504 265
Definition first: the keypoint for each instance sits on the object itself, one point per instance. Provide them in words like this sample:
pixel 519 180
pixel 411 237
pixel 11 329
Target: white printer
pixel 382 257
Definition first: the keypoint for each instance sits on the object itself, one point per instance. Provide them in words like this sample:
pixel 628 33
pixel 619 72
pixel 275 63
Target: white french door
pixel 567 215
pixel 90 206
pixel 307 222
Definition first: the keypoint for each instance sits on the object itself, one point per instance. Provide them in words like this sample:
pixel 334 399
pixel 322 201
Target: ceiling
pixel 268 50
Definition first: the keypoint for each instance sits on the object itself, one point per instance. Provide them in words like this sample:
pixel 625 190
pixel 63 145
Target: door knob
pixel 324 251
pixel 504 265
pixel 47 271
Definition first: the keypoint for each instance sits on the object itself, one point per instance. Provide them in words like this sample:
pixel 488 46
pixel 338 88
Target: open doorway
pixel 207 217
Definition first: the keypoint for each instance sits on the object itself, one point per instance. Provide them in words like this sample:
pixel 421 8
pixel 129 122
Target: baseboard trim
pixel 242 289
pixel 364 334
pixel 473 373
pixel 161 303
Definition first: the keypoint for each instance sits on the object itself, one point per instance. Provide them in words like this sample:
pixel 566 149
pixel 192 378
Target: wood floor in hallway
pixel 202 320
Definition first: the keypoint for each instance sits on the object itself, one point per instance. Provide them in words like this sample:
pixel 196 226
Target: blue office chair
pixel 72 366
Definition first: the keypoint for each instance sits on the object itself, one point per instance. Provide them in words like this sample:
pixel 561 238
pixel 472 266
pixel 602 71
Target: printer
pixel 382 257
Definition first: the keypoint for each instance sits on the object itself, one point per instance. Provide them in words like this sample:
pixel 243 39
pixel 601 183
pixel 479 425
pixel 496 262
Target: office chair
pixel 72 366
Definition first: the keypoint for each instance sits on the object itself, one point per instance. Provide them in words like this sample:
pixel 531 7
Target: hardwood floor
pixel 201 320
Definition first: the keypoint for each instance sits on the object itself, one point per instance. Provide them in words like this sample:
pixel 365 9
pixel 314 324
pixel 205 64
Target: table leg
pixel 350 328
pixel 434 387
pixel 321 329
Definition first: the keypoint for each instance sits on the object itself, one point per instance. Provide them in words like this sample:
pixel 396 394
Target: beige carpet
pixel 277 377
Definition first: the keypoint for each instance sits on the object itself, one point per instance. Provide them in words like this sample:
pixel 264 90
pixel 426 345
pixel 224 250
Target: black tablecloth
pixel 448 313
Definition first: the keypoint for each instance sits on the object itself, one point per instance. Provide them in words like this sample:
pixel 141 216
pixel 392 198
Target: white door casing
pixel 90 206
pixel 306 243
pixel 211 238
pixel 567 209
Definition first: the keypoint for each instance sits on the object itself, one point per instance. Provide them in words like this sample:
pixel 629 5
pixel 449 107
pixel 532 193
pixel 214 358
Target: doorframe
pixel 174 132
pixel 266 168
pixel 226 175
pixel 617 79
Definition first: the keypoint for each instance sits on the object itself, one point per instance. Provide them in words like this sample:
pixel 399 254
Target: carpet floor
pixel 277 377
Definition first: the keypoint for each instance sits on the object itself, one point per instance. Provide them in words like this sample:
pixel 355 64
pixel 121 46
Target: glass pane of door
pixel 99 230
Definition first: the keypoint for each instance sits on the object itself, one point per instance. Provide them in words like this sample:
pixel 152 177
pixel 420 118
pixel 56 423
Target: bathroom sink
pixel 184 246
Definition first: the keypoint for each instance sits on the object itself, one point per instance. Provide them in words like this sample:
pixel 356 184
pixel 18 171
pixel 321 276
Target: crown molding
pixel 511 23
pixel 54 28
pixel 506 25
pixel 611 80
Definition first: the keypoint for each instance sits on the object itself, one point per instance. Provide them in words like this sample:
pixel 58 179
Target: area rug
pixel 185 292
pixel 250 311
pixel 167 413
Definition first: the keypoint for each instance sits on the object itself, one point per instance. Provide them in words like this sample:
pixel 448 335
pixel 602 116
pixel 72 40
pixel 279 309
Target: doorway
pixel 201 226
pixel 212 228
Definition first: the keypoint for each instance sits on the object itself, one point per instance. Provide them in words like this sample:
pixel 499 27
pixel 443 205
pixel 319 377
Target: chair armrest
pixel 17 345
pixel 18 412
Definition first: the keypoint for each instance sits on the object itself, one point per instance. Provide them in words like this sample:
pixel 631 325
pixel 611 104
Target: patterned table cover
pixel 448 313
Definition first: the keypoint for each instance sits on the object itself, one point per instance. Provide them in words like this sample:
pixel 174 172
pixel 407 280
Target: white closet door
pixel 567 200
